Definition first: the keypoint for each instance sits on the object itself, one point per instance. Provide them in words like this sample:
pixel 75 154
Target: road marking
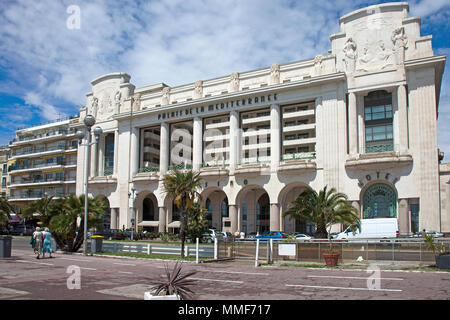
pixel 343 288
pixel 229 281
pixel 84 268
pixel 363 278
pixel 26 261
pixel 127 272
pixel 125 264
pixel 76 259
pixel 239 272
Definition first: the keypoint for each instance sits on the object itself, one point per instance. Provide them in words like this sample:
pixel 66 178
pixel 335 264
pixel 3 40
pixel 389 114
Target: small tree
pixel 67 220
pixel 325 209
pixel 183 186
pixel 197 222
pixel 43 207
pixel 6 209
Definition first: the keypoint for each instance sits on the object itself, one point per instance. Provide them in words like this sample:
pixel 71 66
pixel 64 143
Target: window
pixel 289 123
pixel 290 137
pixel 380 201
pixel 377 133
pixel 378 121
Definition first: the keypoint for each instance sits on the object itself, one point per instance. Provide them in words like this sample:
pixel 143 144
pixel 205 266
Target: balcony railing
pixel 181 166
pixel 255 160
pixel 21 152
pixel 213 164
pixel 108 172
pixel 148 169
pixel 380 148
pixel 298 156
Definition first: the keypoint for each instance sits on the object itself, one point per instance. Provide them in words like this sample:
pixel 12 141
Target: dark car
pixel 22 231
pixel 112 234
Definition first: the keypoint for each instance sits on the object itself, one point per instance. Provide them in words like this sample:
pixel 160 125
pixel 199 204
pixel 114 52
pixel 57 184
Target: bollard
pixel 216 254
pixel 196 250
pixel 257 252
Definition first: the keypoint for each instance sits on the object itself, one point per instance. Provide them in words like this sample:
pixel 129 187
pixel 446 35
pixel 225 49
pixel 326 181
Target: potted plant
pixel 324 208
pixel 441 256
pixel 174 287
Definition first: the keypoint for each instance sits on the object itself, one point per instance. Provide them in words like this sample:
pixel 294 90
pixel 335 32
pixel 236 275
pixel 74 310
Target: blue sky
pixel 46 68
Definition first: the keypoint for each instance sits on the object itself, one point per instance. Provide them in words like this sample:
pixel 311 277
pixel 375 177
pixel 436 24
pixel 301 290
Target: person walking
pixel 47 245
pixel 38 236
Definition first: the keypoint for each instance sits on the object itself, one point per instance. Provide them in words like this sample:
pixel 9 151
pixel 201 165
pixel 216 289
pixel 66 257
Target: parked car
pixel 112 234
pixel 227 236
pixel 251 235
pixel 215 234
pixel 22 231
pixel 4 231
pixel 302 236
pixel 435 234
pixel 206 237
pixel 272 235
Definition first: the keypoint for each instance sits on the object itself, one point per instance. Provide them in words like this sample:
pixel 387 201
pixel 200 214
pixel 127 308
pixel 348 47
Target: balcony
pixel 14 169
pixel 147 173
pixel 254 166
pixel 214 168
pixel 297 162
pixel 299 114
pixel 44 137
pixel 379 157
pixel 25 182
pixel 40 151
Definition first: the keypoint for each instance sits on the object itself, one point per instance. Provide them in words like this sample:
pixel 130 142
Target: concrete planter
pixel 5 247
pixel 331 259
pixel 149 296
pixel 443 261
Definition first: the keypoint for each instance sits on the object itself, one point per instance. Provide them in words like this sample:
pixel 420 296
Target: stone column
pixel 116 152
pixel 101 157
pixel 234 140
pixel 357 206
pixel 352 124
pixel 164 148
pixel 402 215
pixel 94 158
pixel 134 156
pixel 275 137
pixel 402 118
pixel 197 144
pixel 275 217
pixel 114 216
pixel 162 219
pixel 234 218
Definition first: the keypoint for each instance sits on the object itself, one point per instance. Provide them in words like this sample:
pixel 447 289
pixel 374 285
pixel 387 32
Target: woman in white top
pixel 37 235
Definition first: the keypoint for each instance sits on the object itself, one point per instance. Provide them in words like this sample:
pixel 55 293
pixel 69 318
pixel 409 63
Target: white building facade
pixel 361 119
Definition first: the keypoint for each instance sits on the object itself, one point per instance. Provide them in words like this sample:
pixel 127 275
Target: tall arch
pixel 253 204
pixel 215 201
pixel 379 201
pixel 287 195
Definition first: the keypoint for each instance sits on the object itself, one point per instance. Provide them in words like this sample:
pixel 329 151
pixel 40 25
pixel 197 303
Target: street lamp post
pixel 89 121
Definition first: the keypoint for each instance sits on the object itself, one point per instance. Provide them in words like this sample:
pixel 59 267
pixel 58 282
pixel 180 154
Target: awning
pixel 174 224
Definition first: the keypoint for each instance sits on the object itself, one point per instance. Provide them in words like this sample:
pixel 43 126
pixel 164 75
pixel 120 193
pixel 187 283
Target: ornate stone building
pixel 360 118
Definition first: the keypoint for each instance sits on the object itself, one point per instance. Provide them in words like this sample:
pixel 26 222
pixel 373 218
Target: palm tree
pixel 6 209
pixel 182 187
pixel 324 209
pixel 67 221
pixel 42 207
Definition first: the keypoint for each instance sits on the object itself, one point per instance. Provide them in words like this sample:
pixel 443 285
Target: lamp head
pixel 89 120
pixel 97 132
pixel 80 136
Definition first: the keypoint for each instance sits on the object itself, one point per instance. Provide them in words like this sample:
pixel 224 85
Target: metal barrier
pixel 152 248
pixel 349 251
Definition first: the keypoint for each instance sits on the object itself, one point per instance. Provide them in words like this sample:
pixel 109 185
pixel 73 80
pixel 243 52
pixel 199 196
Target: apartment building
pixel 360 118
pixel 4 154
pixel 43 161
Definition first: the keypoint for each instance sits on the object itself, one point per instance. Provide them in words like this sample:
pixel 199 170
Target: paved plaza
pixel 23 277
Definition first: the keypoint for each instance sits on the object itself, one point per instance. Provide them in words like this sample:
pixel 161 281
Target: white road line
pixel 84 268
pixel 341 288
pixel 126 272
pixel 239 272
pixel 362 278
pixel 125 264
pixel 76 259
pixel 229 281
pixel 48 264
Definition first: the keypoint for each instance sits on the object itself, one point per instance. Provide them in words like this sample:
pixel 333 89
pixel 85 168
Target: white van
pixel 373 228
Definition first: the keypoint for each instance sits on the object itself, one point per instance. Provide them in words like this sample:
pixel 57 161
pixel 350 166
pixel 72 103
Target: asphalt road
pixel 24 277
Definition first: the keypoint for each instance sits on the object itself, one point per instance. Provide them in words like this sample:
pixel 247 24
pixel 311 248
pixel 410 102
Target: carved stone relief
pixel 136 102
pixel 399 40
pixel 350 55
pixel 234 82
pixel 275 73
pixel 318 65
pixel 117 102
pixel 374 56
pixel 165 99
pixel 94 107
pixel 198 89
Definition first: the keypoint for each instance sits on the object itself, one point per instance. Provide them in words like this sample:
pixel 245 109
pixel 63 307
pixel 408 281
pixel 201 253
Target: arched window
pixel 263 213
pixel 148 210
pixel 224 208
pixel 380 201
pixel 209 207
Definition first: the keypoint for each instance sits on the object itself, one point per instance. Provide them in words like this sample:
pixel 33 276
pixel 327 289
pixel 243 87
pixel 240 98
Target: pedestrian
pixel 33 243
pixel 47 245
pixel 37 235
pixel 424 233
